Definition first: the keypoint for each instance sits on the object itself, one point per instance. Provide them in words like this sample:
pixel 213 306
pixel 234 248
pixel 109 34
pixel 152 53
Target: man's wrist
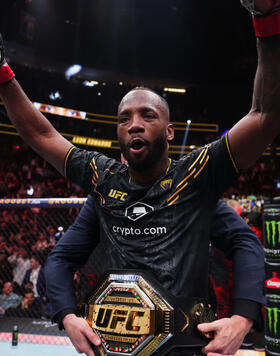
pixel 249 309
pixel 67 317
pixel 247 322
pixel 59 317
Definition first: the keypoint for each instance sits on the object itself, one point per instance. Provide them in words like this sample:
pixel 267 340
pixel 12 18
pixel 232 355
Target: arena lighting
pixel 185 137
pixel 55 95
pixel 104 83
pixel 192 147
pixel 57 110
pixel 90 83
pixel 120 83
pixel 30 190
pixel 99 93
pixel 72 70
pixel 175 90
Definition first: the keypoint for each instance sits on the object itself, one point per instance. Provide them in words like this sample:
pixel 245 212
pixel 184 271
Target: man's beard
pixel 156 151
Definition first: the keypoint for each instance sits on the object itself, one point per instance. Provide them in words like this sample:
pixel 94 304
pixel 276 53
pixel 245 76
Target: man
pixel 8 299
pixel 175 198
pixel 30 307
pixel 229 233
pixel 6 271
pixel 21 263
pixel 36 276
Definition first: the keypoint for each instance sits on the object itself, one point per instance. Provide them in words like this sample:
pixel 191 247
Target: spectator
pixel 29 307
pixel 41 243
pixel 36 276
pixel 5 267
pixel 21 263
pixel 8 299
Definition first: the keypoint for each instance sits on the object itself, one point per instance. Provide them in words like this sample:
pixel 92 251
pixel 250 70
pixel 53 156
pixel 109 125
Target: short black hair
pixel 152 91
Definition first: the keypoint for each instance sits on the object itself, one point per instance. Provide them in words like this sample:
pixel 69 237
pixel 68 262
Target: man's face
pixel 33 263
pixel 23 253
pixel 29 297
pixel 7 288
pixel 143 129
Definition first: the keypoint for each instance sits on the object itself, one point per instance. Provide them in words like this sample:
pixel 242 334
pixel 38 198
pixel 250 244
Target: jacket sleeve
pixel 231 234
pixel 70 253
pixel 26 278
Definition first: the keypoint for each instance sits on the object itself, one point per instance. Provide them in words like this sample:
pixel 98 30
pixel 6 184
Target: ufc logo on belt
pixel 122 319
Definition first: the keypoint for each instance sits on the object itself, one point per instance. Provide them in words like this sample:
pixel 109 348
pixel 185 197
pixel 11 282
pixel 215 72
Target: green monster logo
pixel 272 314
pixel 271 228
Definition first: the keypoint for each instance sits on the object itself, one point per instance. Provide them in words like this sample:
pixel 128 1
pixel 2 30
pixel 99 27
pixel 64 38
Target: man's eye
pixel 123 119
pixel 149 116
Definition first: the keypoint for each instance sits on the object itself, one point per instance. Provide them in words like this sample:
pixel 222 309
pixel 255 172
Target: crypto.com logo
pixel 138 210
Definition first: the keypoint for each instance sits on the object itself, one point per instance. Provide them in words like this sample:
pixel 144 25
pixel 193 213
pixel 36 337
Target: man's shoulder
pixel 94 159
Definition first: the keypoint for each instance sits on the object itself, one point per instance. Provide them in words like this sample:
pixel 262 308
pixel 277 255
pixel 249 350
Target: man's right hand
pixel 80 333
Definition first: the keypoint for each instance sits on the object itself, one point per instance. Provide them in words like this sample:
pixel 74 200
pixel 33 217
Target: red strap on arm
pixel 266 26
pixel 6 74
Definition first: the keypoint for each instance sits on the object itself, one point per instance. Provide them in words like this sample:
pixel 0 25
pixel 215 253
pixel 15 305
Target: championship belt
pixel 133 315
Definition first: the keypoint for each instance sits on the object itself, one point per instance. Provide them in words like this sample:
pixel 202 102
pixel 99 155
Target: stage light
pixel 185 138
pixel 72 70
pixel 120 83
pixel 90 83
pixel 99 94
pixel 104 83
pixel 55 95
pixel 175 90
pixel 30 190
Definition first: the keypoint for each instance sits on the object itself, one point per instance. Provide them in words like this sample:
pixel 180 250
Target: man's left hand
pixel 228 334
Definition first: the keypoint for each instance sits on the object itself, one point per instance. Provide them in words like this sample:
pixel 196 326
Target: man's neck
pixel 148 176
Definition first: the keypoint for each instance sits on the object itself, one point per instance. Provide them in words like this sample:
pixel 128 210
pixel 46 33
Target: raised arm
pixel 251 135
pixel 32 126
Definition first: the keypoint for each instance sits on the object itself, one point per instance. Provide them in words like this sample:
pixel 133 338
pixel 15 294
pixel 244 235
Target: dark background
pixel 206 47
pixel 184 40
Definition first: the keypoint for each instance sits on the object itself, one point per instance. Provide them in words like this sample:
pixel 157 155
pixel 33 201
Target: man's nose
pixel 136 124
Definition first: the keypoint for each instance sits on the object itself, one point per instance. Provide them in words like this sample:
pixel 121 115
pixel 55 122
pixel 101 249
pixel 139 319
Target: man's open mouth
pixel 137 145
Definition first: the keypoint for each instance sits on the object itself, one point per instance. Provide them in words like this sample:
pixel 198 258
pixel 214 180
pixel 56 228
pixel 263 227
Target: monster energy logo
pixel 272 227
pixel 272 315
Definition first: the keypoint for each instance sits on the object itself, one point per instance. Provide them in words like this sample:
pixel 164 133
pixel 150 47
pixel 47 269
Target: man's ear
pixel 170 132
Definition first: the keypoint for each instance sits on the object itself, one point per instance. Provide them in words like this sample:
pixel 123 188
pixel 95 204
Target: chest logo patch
pixel 138 210
pixel 117 194
pixel 166 184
